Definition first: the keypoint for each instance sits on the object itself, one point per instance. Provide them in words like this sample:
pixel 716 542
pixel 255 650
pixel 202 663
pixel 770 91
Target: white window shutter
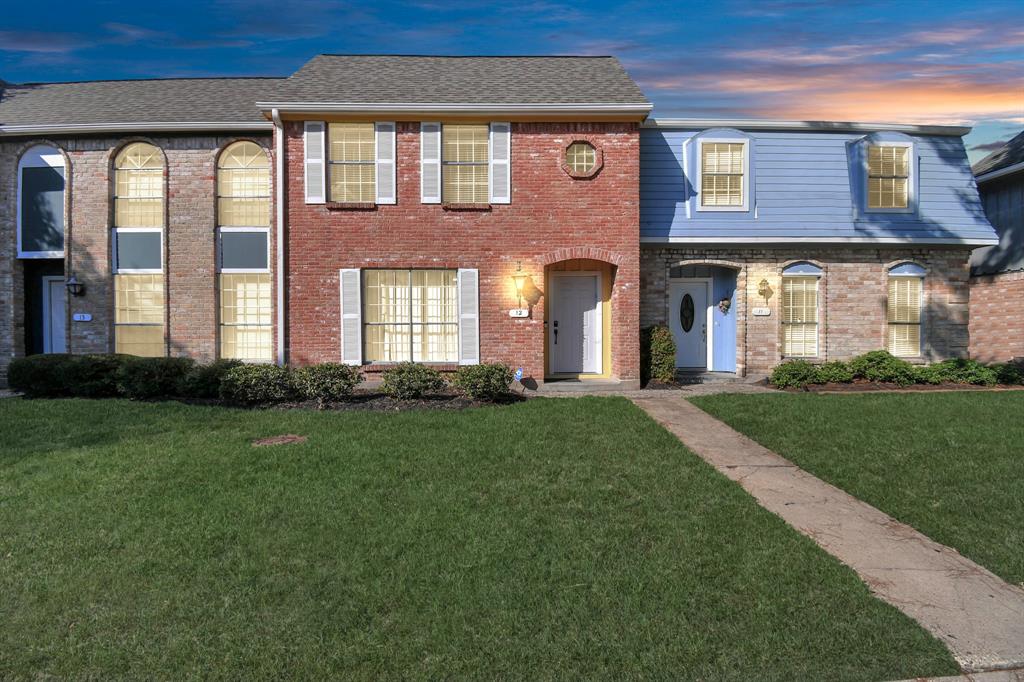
pixel 501 163
pixel 385 162
pixel 430 163
pixel 469 317
pixel 316 170
pixel 351 317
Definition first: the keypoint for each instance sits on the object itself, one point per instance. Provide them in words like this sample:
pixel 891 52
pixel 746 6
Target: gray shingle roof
pixel 1009 154
pixel 173 100
pixel 394 79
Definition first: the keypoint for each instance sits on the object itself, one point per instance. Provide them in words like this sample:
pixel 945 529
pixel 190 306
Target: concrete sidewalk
pixel 977 615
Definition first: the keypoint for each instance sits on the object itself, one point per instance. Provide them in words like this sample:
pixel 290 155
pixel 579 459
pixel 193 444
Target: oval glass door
pixel 686 312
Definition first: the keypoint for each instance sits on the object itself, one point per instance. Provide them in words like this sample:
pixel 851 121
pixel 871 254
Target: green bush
pixel 834 373
pixel 1009 373
pixel 144 378
pixel 927 374
pixel 484 382
pixel 657 355
pixel 326 382
pixel 959 371
pixel 203 381
pixel 794 374
pixel 257 385
pixel 63 375
pixel 880 365
pixel 408 380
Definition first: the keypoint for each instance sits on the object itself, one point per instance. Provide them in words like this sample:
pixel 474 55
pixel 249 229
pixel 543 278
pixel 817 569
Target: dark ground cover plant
pixel 486 382
pixel 63 375
pixel 882 366
pixel 834 372
pixel 147 378
pixel 657 355
pixel 957 371
pixel 326 382
pixel 203 380
pixel 794 374
pixel 257 385
pixel 410 380
pixel 1009 373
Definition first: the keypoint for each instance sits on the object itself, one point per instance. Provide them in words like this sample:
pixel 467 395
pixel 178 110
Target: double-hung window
pixel 906 297
pixel 410 315
pixel 138 251
pixel 889 167
pixel 800 310
pixel 465 163
pixel 723 175
pixel 352 162
pixel 243 252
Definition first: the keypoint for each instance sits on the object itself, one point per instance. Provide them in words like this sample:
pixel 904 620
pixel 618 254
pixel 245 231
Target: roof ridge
pixel 472 56
pixel 156 79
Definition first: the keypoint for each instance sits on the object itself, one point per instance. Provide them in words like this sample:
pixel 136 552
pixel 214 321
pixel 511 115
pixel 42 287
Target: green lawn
pixel 949 464
pixel 551 539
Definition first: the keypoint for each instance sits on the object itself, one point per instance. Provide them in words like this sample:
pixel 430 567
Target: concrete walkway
pixel 977 615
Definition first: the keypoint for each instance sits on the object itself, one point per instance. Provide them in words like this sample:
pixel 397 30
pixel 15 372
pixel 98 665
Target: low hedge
pixel 203 381
pixel 326 382
pixel 883 367
pixel 410 380
pixel 60 375
pixel 147 378
pixel 257 384
pixel 484 382
pixel 657 355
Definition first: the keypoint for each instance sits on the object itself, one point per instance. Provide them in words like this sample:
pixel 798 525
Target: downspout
pixel 279 203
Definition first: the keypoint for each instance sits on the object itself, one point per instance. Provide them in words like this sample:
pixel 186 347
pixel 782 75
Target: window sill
pixel 466 207
pixel 351 206
pixel 378 367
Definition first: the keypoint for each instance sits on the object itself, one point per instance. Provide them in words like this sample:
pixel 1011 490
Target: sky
pixel 851 60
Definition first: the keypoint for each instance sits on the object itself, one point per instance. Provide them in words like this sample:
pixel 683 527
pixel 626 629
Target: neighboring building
pixel 997 283
pixel 819 240
pixel 456 210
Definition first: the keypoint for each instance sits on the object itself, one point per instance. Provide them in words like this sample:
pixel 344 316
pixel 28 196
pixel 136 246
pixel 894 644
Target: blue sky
pixel 914 61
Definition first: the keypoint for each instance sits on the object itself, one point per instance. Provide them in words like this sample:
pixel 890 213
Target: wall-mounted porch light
pixel 74 287
pixel 520 281
pixel 764 290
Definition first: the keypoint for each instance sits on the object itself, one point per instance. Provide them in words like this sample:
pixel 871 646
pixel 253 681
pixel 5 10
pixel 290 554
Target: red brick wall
pixel 551 217
pixel 997 317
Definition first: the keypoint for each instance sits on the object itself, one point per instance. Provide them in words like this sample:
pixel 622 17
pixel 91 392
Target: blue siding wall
pixel 808 185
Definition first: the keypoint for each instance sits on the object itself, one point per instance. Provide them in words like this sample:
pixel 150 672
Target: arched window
pixel 138 238
pixel 800 310
pixel 243 252
pixel 41 203
pixel 906 298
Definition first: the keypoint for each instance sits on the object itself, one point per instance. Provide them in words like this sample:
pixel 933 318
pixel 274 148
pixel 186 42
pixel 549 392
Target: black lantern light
pixel 75 288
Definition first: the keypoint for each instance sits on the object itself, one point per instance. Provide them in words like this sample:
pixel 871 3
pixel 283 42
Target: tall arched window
pixel 243 252
pixel 800 310
pixel 906 298
pixel 138 239
pixel 41 203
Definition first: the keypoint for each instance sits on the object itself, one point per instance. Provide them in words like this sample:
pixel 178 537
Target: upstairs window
pixel 464 163
pixel 800 310
pixel 581 157
pixel 906 298
pixel 888 177
pixel 352 162
pixel 723 170
pixel 41 203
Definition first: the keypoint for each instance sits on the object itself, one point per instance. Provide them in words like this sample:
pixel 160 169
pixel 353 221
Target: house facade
pixel 456 210
pixel 997 272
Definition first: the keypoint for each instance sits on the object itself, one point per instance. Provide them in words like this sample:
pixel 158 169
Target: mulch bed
pixel 375 402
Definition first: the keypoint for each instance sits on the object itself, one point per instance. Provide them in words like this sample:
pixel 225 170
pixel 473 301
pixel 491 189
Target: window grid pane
pixel 800 316
pixel 410 315
pixel 352 156
pixel 464 158
pixel 139 187
pixel 245 317
pixel 722 174
pixel 581 157
pixel 888 176
pixel 139 315
pixel 904 315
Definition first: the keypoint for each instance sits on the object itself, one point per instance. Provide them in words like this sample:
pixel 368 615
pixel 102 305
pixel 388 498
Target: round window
pixel 581 157
pixel 686 312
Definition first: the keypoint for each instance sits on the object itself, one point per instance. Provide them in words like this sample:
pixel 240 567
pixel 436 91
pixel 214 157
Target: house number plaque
pixel 762 312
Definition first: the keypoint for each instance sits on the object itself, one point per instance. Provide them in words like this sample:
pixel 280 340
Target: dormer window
pixel 723 175
pixel 889 177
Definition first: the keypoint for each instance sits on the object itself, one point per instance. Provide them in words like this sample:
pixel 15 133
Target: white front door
pixel 688 320
pixel 574 329
pixel 54 315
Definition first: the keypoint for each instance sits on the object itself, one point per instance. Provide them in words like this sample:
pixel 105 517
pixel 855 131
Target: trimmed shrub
pixel 484 382
pixel 1009 373
pixel 326 382
pixel 927 374
pixel 657 355
pixel 144 378
pixel 880 365
pixel 63 375
pixel 834 373
pixel 794 374
pixel 408 380
pixel 959 371
pixel 203 381
pixel 257 385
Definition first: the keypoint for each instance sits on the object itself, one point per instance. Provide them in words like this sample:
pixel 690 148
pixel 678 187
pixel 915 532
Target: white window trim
pixel 36 159
pixel 911 177
pixel 921 309
pixel 698 189
pixel 242 271
pixel 136 271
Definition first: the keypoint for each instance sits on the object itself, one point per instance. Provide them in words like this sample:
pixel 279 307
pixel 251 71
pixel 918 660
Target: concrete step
pixel 690 377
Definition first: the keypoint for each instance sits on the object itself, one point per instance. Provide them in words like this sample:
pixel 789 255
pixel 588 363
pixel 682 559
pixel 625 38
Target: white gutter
pixel 950 241
pixel 162 127
pixel 828 126
pixel 279 205
pixel 459 108
pixel 985 177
